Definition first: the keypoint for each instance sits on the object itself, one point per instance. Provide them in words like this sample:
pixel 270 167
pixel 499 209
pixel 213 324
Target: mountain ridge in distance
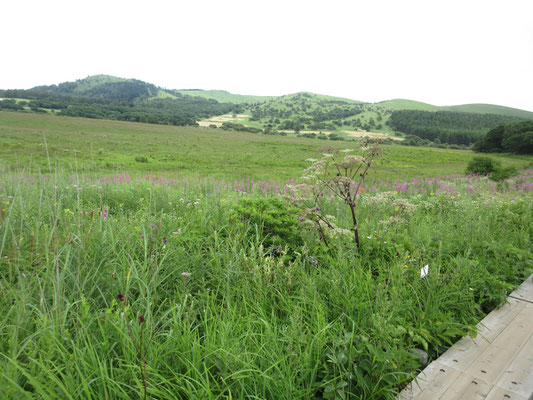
pixel 100 86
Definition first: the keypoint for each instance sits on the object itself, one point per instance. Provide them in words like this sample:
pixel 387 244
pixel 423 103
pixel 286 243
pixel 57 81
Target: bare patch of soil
pixel 373 135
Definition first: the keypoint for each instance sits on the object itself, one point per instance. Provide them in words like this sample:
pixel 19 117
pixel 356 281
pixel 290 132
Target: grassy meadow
pixel 196 275
pixel 98 146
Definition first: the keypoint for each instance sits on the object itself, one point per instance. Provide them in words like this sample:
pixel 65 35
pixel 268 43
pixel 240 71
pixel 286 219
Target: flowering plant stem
pixel 341 177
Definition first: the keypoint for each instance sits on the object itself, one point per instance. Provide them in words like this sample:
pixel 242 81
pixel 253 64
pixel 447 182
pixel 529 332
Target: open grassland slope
pixel 187 151
pixel 224 96
pixel 491 109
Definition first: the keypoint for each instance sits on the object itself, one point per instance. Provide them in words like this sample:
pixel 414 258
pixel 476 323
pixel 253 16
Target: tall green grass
pixel 225 315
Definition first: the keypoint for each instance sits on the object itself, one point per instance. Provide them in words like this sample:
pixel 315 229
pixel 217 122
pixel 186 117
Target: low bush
pixel 141 159
pixel 482 165
pixel 272 218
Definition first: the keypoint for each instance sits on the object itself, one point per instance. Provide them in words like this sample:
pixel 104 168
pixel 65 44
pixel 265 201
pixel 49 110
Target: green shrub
pixel 482 165
pixel 275 219
pixel 141 159
pixel 501 174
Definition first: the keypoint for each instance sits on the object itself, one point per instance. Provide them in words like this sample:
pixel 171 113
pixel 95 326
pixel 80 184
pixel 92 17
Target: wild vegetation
pixel 112 98
pixel 307 115
pixel 224 96
pixel 419 123
pixel 149 261
pixel 304 111
pixel 116 287
pixel 446 126
pixel 511 138
pixel 193 152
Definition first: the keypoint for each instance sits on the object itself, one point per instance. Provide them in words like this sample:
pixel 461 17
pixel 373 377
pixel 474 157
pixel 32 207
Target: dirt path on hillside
pixel 316 132
pixel 372 135
pixel 220 119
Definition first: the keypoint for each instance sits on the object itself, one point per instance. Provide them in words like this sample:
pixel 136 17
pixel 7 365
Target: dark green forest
pixel 446 126
pixel 511 138
pixel 129 100
pixel 122 91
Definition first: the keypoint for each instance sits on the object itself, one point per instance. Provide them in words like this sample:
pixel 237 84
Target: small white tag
pixel 424 271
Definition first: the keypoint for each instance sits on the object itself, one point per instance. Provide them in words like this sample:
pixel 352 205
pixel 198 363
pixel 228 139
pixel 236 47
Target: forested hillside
pixel 446 126
pixel 305 111
pixel 112 98
pixel 104 87
pixel 306 114
pixel 512 138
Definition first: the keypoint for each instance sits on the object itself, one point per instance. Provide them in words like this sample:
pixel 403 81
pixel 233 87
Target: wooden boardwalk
pixel 497 365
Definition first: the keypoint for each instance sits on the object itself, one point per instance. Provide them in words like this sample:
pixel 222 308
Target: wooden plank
pixel 495 359
pixel 518 376
pixel 467 387
pixel 492 362
pixel 421 382
pixel 464 352
pixel 518 331
pixel 498 365
pixel 498 319
pixel 525 290
pixel 498 393
pixel 434 374
pixel 439 379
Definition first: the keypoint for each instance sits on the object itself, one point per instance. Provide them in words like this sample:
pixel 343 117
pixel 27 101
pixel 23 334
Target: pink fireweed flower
pixel 165 240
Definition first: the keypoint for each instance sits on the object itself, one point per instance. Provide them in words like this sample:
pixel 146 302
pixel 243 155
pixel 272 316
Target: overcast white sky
pixel 442 52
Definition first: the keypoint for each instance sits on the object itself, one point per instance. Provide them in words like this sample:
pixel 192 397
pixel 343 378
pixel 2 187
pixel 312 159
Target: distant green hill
pixel 303 111
pixel 105 96
pixel 223 96
pixel 318 97
pixel 82 86
pixel 491 109
pixel 109 97
pixel 403 104
pixel 311 113
pixel 104 87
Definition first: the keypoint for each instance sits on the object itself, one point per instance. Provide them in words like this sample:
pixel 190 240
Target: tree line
pixel 122 91
pixel 183 110
pixel 446 126
pixel 511 138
